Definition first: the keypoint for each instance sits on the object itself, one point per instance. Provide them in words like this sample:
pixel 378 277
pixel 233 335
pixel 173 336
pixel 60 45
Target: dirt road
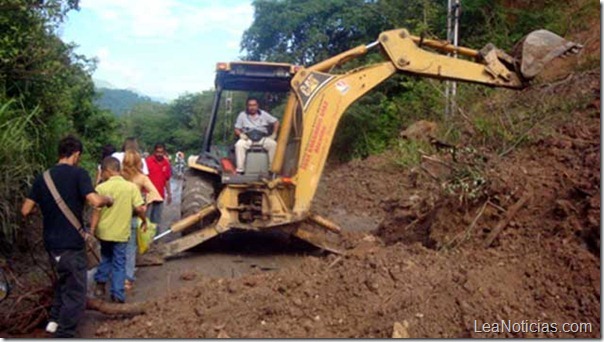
pixel 231 256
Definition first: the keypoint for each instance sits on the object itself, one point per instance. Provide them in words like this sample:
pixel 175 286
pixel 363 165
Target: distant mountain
pixel 98 83
pixel 119 101
pixel 154 98
pixel 160 99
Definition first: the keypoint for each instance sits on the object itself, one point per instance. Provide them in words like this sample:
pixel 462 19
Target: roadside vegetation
pixel 46 92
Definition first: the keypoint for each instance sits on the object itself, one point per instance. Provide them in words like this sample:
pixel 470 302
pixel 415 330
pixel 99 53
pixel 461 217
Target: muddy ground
pixel 413 254
pixel 230 257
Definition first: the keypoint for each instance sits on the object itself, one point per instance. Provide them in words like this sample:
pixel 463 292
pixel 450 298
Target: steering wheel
pixel 255 135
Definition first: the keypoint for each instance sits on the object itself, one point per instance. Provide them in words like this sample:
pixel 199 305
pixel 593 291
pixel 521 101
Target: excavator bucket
pixel 538 48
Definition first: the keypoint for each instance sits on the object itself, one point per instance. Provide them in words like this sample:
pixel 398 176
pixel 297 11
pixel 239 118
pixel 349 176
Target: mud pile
pixel 362 186
pixel 363 294
pixel 559 173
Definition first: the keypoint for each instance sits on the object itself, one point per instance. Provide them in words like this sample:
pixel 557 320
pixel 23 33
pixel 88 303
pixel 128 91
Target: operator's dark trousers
pixel 69 300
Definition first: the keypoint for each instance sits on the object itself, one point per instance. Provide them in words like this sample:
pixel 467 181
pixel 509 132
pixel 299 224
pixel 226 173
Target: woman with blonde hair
pixel 131 171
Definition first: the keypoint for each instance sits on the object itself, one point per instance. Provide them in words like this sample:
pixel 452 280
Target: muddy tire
pixel 198 191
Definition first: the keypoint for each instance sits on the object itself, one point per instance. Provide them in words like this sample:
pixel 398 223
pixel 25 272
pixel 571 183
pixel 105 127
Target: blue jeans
pixel 131 251
pixel 113 262
pixel 154 212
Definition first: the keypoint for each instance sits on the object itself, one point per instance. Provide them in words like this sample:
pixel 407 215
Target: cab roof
pixel 255 76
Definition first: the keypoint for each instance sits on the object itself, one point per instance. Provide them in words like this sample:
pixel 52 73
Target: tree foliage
pixel 46 91
pixel 38 70
pixel 305 32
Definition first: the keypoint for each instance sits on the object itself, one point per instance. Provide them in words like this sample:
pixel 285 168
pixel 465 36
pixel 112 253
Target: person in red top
pixel 160 172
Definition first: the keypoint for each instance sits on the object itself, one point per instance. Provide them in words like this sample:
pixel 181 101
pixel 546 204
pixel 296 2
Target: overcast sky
pixel 162 48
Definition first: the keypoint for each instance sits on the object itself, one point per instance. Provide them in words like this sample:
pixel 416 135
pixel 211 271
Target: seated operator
pixel 254 119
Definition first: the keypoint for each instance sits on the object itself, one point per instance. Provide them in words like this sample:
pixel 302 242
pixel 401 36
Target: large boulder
pixel 421 130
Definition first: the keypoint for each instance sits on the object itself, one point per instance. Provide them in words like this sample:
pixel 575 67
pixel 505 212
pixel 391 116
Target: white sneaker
pixel 51 327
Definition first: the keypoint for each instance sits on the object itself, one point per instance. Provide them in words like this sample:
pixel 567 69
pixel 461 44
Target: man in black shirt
pixel 62 240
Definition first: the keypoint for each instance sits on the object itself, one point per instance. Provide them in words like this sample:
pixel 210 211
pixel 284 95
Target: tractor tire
pixel 197 191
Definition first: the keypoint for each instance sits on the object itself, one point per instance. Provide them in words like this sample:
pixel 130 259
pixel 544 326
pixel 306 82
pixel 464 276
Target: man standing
pixel 254 119
pixel 160 172
pixel 62 240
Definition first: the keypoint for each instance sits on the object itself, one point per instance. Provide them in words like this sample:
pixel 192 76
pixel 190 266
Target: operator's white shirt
pixel 258 122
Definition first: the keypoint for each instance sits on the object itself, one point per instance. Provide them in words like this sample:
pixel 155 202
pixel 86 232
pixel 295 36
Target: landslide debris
pixel 426 264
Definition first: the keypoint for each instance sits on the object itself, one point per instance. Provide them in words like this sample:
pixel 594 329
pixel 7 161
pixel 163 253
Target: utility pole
pixel 448 83
pixel 228 102
pixel 453 11
pixel 456 10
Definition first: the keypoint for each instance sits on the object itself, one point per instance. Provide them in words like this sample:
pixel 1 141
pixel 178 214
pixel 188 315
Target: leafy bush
pixel 408 153
pixel 46 93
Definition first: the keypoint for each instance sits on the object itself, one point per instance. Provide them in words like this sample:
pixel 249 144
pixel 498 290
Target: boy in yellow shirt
pixel 112 227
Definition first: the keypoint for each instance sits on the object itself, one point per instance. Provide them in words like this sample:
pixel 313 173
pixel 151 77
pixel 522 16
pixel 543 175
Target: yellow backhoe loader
pixel 279 195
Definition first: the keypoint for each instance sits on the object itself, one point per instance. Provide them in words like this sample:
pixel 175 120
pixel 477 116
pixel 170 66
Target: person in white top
pixel 254 119
pixel 106 151
pixel 130 144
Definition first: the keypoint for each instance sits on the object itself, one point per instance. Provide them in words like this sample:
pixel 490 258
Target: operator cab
pixel 234 83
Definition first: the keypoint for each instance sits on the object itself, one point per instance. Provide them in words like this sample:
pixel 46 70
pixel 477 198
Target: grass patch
pixel 408 153
pixel 501 121
pixel 19 161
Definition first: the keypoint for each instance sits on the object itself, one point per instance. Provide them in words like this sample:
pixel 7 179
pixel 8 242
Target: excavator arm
pixel 321 97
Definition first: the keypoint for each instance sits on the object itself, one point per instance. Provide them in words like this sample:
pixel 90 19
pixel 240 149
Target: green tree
pixel 149 122
pixel 38 70
pixel 305 32
pixel 45 88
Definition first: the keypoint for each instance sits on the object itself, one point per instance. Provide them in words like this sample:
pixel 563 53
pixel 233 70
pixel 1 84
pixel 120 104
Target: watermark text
pixel 527 326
